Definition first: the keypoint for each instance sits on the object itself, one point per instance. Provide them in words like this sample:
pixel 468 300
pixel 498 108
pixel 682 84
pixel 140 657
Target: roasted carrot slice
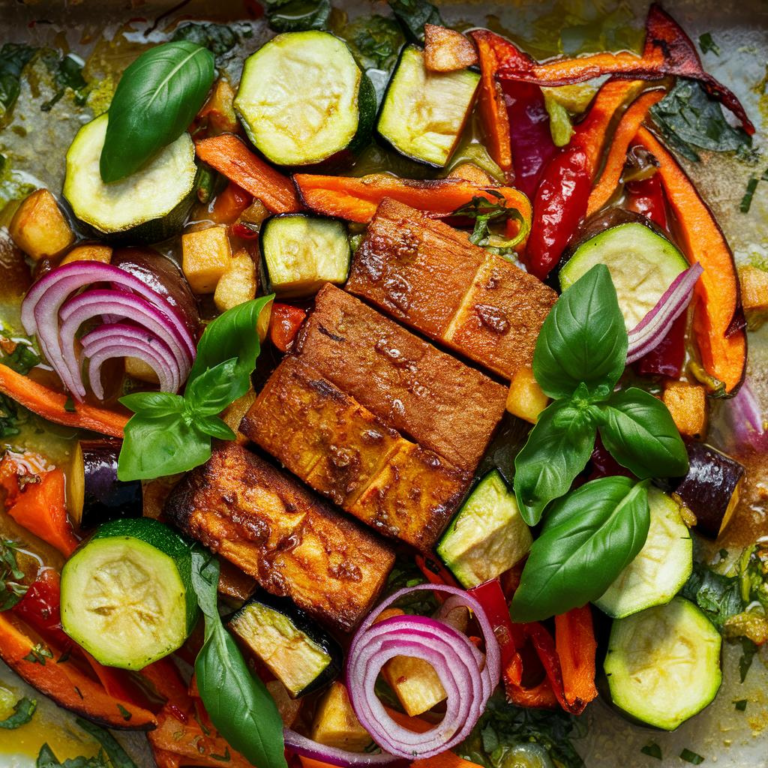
pixel 64 682
pixel 52 405
pixel 668 51
pixel 230 204
pixel 41 509
pixel 357 199
pixel 614 165
pixel 229 156
pixel 576 646
pixel 720 337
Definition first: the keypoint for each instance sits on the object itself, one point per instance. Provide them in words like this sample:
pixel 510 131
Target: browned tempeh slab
pixel 293 544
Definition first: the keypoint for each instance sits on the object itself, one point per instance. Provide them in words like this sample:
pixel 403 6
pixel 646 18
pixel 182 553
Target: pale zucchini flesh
pixel 642 263
pixel 424 113
pixel 301 253
pixel 149 205
pixel 660 569
pixel 488 536
pixel 663 664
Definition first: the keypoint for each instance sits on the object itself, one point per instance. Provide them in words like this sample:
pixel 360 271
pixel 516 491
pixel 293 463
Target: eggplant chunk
pixel 430 277
pixel 341 450
pixel 443 404
pixel 264 522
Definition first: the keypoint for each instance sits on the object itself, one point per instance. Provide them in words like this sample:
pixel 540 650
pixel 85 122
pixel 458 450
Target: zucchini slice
pixel 126 595
pixel 303 252
pixel 296 651
pixel 488 536
pixel 424 113
pixel 660 569
pixel 304 100
pixel 150 205
pixel 642 263
pixel 663 664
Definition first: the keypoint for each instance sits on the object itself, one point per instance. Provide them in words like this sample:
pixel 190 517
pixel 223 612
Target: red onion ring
pixel 301 745
pixel 653 328
pixel 119 340
pixel 467 676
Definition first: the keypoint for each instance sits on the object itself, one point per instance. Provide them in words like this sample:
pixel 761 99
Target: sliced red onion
pixel 97 303
pixel 301 745
pixel 652 329
pixel 745 415
pixel 467 676
pixel 119 340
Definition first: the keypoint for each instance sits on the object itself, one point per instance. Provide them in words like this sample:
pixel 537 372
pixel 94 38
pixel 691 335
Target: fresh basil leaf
pixel 297 15
pixel 211 392
pixel 153 403
pixel 688 117
pixel 118 757
pixel 22 714
pixel 233 334
pixel 588 539
pixel 156 99
pixel 639 432
pixel 707 44
pixel 375 41
pixel 213 426
pixel 583 339
pixel 159 446
pixel 13 58
pixel 558 448
pixel 237 701
pixel 413 15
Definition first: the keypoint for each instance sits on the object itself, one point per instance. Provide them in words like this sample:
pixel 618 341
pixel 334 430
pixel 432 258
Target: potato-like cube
pixel 91 252
pixel 206 256
pixel 688 405
pixel 39 227
pixel 754 295
pixel 525 398
pixel 238 284
pixel 336 724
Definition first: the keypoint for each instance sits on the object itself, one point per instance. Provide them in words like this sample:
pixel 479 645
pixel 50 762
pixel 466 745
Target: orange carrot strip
pixel 65 683
pixel 229 156
pixel 576 647
pixel 614 165
pixel 51 405
pixel 357 199
pixel 41 509
pixel 723 347
pixel 230 204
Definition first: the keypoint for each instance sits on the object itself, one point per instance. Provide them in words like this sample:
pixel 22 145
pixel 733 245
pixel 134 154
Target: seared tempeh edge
pixel 293 544
pixel 429 276
pixel 343 451
pixel 428 395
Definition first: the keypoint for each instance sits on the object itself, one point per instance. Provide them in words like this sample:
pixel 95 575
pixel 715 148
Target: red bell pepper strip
pixel 284 324
pixel 668 358
pixel 668 51
pixel 717 300
pixel 646 197
pixel 40 608
pixel 434 571
pixel 610 178
pixel 576 646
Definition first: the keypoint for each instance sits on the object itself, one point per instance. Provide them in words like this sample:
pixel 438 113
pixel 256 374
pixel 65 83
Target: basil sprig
pixel 156 99
pixel 172 433
pixel 22 714
pixel 580 356
pixel 587 540
pixel 237 701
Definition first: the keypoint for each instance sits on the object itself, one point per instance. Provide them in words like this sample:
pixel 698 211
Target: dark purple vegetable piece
pixel 94 494
pixel 711 488
pixel 162 275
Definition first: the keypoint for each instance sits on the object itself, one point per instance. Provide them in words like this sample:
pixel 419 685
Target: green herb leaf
pixel 237 701
pixel 413 15
pixel 23 358
pixel 67 73
pixel 652 750
pixel 740 705
pixel 486 212
pixel 583 339
pixel 219 39
pixel 557 450
pixel 718 595
pixel 47 759
pixel 13 58
pixel 12 587
pixel 213 426
pixel 212 391
pixel 587 540
pixel 375 41
pixel 691 757
pixel 22 714
pixel 689 118
pixel 154 403
pixel 748 653
pixel 639 432
pixel 297 15
pixel 707 44
pixel 39 654
pixel 746 201
pixel 157 98
pixel 116 754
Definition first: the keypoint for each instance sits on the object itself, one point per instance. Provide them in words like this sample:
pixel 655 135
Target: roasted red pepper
pixel 576 647
pixel 284 324
pixel 646 197
pixel 40 608
pixel 668 358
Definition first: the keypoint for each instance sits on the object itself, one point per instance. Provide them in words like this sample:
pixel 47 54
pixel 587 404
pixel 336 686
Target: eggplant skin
pixel 294 545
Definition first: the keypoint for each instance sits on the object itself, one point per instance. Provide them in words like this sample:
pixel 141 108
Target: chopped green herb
pixel 219 39
pixel 748 652
pixel 13 58
pixel 413 15
pixel 67 72
pixel 69 405
pixel 691 757
pixel 297 15
pixel 23 358
pixel 707 44
pixel 225 758
pixel 652 750
pixel 126 715
pixel 38 655
pixel 740 705
pixel 375 41
pixel 22 714
pixel 118 758
pixel 12 588
pixel 746 201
